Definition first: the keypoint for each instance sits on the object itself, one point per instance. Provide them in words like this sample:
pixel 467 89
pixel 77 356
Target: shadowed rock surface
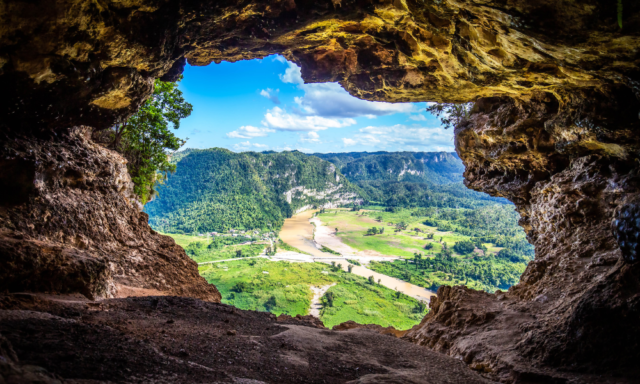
pixel 179 340
pixel 555 129
pixel 73 224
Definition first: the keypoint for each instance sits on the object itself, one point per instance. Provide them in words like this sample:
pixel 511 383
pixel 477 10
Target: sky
pixel 259 105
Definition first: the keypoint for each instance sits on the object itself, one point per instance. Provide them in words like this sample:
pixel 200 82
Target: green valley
pixel 402 215
pixel 482 248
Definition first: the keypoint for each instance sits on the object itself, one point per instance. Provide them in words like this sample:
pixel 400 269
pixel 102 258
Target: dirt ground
pixel 180 340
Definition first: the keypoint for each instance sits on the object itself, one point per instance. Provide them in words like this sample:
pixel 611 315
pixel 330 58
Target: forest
pixel 217 190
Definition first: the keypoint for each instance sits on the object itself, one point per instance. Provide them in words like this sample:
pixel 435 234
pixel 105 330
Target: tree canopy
pixel 145 137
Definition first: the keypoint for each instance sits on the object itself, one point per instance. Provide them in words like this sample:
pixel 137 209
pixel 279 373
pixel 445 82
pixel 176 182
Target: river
pixel 298 232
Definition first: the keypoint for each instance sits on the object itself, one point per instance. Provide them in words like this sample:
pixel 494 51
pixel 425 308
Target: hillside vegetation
pixel 410 179
pixel 216 190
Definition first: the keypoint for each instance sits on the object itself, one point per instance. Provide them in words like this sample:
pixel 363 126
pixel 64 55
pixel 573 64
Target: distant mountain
pixel 216 190
pixel 409 179
pixel 421 167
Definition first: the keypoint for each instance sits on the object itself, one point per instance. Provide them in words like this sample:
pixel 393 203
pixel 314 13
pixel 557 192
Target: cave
pixel 554 129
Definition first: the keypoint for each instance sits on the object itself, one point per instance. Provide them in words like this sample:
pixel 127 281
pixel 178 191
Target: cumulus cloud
pixel 279 119
pixel 411 138
pixel 271 95
pixel 331 100
pixel 246 146
pixel 280 59
pixel 418 117
pixel 310 137
pixel 349 142
pixel 292 74
pixel 249 132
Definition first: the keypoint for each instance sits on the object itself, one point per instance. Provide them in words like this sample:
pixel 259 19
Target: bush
pixel 241 287
pixel 464 247
pixel 512 256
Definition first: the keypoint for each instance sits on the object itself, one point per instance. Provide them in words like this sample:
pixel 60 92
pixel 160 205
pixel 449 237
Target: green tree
pixel 450 114
pixel 464 247
pixel 145 137
pixel 329 298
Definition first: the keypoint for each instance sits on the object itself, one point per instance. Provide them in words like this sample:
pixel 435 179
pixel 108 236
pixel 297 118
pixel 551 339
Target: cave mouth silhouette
pixel 555 131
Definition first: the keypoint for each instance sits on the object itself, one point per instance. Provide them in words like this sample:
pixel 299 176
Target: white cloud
pixel 246 145
pixel 292 74
pixel 249 132
pixel 271 95
pixel 331 100
pixel 310 137
pixel 277 118
pixel 409 138
pixel 418 117
pixel 280 59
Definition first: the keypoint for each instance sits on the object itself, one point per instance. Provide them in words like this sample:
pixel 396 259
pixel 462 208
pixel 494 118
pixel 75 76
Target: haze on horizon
pixel 260 105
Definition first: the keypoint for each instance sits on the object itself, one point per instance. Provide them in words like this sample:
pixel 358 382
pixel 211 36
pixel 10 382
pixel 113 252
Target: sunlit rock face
pixel 571 167
pixel 82 62
pixel 555 129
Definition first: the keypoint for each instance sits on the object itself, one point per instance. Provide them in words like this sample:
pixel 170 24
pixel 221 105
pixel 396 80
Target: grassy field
pixel 352 227
pixel 184 240
pixel 364 303
pixel 283 287
pixel 228 252
pixel 197 249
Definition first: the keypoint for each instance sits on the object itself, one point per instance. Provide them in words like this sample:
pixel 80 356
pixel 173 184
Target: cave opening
pixel 555 131
pixel 383 200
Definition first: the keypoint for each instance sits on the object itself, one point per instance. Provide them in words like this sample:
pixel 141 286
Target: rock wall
pixel 70 222
pixel 572 171
pixel 555 129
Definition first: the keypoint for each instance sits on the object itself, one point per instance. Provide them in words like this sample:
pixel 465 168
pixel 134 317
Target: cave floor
pixel 179 340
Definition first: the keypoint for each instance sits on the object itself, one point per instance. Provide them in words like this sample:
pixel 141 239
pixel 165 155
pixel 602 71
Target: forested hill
pixel 216 190
pixel 421 167
pixel 410 179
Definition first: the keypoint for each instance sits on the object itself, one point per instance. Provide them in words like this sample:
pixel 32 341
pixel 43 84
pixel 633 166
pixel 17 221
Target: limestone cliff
pixel 555 129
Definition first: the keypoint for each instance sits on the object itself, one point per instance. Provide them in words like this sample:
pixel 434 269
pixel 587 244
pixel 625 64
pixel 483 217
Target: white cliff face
pixel 330 197
pixel 405 169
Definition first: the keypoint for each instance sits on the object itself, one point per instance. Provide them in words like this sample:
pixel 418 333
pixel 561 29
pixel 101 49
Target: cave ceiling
pixel 93 62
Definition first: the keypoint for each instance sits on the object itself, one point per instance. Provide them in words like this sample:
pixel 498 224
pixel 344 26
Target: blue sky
pixel 260 105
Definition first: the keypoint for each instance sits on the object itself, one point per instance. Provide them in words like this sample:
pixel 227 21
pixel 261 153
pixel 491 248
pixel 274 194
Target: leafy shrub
pixel 464 247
